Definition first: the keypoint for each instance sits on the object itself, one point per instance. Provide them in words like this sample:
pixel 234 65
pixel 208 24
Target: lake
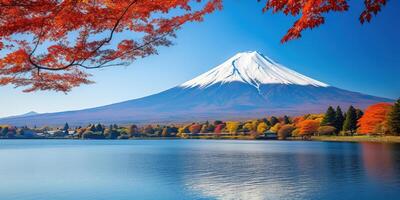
pixel 197 169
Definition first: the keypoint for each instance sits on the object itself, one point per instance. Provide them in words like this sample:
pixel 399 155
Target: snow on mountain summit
pixel 252 68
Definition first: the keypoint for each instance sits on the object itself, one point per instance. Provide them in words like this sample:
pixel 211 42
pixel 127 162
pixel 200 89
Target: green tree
pixel 350 123
pixel 359 113
pixel 394 118
pixel 111 133
pixel 66 128
pixel 286 120
pixel 339 119
pixel 329 117
pixel 217 122
pixel 99 128
pixel 92 128
pixel 273 120
pixel 266 121
pixel 4 131
pixel 132 130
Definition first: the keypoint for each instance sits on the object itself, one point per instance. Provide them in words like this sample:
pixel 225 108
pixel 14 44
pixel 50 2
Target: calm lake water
pixel 197 169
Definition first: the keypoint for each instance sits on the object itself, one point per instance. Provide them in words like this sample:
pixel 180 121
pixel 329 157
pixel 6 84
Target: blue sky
pixel 342 53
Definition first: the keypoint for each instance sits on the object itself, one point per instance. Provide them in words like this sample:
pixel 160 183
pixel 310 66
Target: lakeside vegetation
pixel 380 122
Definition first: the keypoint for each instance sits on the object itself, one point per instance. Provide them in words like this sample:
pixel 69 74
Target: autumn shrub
pixel 308 127
pixel 326 130
pixel 285 131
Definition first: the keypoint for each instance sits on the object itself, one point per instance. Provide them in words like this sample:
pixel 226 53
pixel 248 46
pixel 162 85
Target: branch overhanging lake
pixel 50 44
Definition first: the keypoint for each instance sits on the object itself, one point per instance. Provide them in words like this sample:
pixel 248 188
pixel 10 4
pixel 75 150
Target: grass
pixel 361 138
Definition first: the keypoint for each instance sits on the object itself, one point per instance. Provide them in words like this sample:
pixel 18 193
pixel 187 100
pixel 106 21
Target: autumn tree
pixel 232 127
pixel 308 127
pixel 219 128
pixel 204 128
pixel 165 132
pixel 275 128
pixel 195 128
pixel 394 118
pixel 374 119
pixel 262 127
pixel 184 129
pixel 251 126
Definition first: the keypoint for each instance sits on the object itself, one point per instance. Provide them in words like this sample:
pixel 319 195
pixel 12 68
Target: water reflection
pixel 190 169
pixel 380 160
pixel 292 171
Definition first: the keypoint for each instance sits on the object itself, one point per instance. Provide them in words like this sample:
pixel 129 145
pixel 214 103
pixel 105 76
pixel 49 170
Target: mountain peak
pixel 253 68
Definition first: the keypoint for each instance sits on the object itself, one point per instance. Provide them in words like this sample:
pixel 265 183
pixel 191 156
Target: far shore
pixel 359 138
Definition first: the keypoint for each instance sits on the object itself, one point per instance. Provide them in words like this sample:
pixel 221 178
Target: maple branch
pixel 73 63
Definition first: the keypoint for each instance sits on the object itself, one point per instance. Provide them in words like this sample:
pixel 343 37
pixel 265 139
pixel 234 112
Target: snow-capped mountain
pixel 251 68
pixel 248 85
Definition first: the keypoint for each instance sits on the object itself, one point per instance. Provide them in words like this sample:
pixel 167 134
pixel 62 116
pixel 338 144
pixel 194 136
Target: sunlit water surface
pixel 197 169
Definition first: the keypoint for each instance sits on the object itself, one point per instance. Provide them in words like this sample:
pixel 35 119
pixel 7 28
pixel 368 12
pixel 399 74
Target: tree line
pixel 377 119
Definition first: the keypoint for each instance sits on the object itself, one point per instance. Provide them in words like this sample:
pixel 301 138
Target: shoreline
pixel 363 138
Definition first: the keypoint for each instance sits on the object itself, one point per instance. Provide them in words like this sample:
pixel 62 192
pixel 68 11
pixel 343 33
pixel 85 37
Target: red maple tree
pixel 308 127
pixel 374 118
pixel 50 44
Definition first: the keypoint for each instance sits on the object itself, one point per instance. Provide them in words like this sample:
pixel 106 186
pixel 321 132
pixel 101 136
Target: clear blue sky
pixel 342 53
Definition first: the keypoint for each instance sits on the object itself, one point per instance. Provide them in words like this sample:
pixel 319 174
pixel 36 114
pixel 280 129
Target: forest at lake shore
pixel 381 119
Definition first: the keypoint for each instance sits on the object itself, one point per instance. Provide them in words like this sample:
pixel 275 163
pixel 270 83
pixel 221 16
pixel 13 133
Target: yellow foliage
pixel 275 128
pixel 316 117
pixel 262 127
pixel 232 126
pixel 251 125
pixel 296 132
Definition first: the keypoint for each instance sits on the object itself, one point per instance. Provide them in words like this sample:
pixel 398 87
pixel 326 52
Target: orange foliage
pixel 61 39
pixel 195 128
pixel 311 12
pixel 308 127
pixel 374 117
